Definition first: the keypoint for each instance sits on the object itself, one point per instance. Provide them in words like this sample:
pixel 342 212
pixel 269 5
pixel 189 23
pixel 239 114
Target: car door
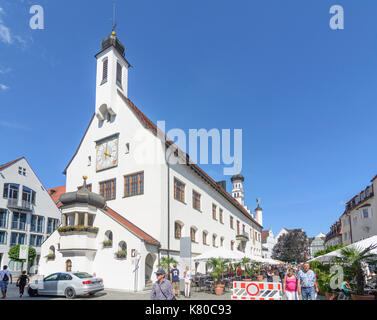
pixel 64 281
pixel 50 285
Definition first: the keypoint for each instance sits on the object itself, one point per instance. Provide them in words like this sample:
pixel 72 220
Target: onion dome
pixel 84 196
pixel 238 177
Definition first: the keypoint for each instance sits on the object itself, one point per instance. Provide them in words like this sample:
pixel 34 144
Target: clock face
pixel 107 153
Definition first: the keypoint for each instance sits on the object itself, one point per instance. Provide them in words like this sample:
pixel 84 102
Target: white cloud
pixel 4 70
pixel 3 87
pixel 13 125
pixel 5 34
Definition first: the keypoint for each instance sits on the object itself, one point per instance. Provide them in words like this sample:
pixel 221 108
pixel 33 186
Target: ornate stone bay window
pixel 78 213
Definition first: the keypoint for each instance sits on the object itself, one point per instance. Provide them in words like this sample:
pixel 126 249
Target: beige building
pixel 359 220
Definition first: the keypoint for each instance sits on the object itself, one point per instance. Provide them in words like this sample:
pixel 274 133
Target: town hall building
pixel 136 204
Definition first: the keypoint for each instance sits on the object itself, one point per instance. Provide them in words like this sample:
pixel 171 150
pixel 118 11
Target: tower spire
pixel 114 15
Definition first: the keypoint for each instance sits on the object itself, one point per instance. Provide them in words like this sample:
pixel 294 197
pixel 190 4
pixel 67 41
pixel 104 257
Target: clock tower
pixel 112 75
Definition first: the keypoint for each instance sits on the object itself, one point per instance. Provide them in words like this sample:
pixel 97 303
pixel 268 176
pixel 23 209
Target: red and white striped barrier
pixel 243 290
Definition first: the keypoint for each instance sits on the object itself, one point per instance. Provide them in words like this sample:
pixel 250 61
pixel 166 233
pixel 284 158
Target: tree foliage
pixel 328 250
pixel 291 247
pixel 14 252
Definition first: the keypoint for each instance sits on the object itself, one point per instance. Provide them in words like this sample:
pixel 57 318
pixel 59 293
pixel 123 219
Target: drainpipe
pixel 167 162
pixel 349 216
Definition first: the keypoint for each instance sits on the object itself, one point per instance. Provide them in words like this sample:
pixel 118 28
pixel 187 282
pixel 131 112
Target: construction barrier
pixel 243 290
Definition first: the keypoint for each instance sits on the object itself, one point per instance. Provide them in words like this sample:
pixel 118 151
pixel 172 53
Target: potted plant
pixel 121 254
pixel 352 259
pixel 107 243
pixel 219 266
pixel 244 262
pixel 323 279
pixel 50 256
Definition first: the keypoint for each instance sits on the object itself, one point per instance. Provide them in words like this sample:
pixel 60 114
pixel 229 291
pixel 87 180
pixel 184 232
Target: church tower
pixel 237 191
pixel 112 75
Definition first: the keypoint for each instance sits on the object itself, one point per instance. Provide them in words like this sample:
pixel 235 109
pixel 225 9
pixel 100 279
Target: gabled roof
pixel 131 227
pixel 55 194
pixel 160 134
pixel 6 165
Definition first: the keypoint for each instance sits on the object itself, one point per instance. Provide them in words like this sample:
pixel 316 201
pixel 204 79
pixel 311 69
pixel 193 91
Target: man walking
pixel 162 289
pixel 175 280
pixel 5 275
pixel 282 272
pixel 307 283
pixel 270 274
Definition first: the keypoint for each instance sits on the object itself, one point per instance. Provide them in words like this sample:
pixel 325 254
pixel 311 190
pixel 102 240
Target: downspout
pixel 167 162
pixel 349 216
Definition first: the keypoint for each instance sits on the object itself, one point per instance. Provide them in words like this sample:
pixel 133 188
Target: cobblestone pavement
pixel 123 295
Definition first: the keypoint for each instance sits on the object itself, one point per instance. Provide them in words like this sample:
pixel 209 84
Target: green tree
pixel 291 247
pixel 165 263
pixel 14 252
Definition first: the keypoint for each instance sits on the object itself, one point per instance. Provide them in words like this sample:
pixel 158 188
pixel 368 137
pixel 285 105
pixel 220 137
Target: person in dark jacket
pixel 22 281
pixel 162 289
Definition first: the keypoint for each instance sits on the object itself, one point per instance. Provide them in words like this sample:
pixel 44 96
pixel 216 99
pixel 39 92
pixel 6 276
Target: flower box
pixel 122 254
pixel 78 229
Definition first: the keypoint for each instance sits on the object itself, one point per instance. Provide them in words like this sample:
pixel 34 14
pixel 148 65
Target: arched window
pixel 193 234
pixel 214 240
pixel 205 233
pixel 221 241
pixel 122 250
pixel 108 242
pixel 178 230
pixel 68 266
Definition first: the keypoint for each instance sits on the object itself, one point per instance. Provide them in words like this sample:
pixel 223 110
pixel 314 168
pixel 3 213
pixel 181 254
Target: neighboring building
pixel 334 236
pixel 285 231
pixel 359 220
pixel 56 193
pixel 153 209
pixel 27 213
pixel 316 244
pixel 268 243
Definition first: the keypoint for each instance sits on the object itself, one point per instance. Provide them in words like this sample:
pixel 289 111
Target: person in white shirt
pixel 187 276
pixel 5 275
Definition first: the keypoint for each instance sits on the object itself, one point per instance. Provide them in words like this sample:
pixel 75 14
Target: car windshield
pixel 83 275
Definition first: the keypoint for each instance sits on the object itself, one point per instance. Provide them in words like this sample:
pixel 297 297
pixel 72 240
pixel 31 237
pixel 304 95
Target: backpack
pixel 5 277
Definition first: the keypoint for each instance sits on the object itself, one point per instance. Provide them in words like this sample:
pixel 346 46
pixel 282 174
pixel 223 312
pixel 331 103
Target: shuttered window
pixel 119 74
pixel 105 70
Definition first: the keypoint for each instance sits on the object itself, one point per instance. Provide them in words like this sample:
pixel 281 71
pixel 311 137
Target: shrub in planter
pixel 50 256
pixel 121 254
pixel 78 228
pixel 107 244
pixel 218 266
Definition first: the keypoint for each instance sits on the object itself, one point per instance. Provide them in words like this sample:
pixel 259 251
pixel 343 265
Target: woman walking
pixel 290 285
pixel 187 276
pixel 21 282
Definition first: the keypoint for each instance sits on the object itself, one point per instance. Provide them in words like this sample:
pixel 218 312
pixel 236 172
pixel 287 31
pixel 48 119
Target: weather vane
pixel 114 15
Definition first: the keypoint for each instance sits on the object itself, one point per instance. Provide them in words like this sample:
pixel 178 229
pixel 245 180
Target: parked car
pixel 68 284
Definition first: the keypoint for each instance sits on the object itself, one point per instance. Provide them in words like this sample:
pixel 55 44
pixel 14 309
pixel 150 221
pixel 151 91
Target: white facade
pixel 129 145
pixel 27 213
pixel 268 243
pixel 359 221
pixel 317 244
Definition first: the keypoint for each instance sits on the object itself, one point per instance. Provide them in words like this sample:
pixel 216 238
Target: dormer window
pixel 105 66
pixel 119 74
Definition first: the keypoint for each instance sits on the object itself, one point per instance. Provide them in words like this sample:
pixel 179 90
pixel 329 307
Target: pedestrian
pixel 5 275
pixel 187 276
pixel 269 274
pixel 21 282
pixel 162 289
pixel 282 272
pixel 290 285
pixel 307 283
pixel 175 280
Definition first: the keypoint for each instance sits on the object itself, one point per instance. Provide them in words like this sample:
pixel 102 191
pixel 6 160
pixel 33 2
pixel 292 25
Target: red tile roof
pixel 265 234
pixel 6 165
pixel 131 227
pixel 56 193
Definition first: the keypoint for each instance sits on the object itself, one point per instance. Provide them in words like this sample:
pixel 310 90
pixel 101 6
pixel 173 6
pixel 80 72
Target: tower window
pixel 119 74
pixel 105 69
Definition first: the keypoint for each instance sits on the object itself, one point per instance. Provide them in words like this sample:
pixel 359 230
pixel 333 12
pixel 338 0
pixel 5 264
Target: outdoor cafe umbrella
pixel 220 253
pixel 363 244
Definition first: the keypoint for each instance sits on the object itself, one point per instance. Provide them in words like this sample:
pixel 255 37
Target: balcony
pixel 78 241
pixel 23 206
pixel 3 223
pixel 243 236
pixel 17 225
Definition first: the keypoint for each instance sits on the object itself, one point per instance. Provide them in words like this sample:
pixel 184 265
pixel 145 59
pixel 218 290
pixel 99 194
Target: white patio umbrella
pixel 363 244
pixel 273 261
pixel 220 253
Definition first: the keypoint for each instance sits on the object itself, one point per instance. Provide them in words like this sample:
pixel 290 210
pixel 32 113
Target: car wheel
pixel 70 293
pixel 32 292
pixel 92 293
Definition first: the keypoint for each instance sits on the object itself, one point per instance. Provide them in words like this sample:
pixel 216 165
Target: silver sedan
pixel 68 284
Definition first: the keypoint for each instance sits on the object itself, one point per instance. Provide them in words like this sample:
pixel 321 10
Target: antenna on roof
pixel 114 15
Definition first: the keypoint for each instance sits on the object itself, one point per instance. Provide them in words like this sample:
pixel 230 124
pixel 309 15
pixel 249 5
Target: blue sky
pixel 304 95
